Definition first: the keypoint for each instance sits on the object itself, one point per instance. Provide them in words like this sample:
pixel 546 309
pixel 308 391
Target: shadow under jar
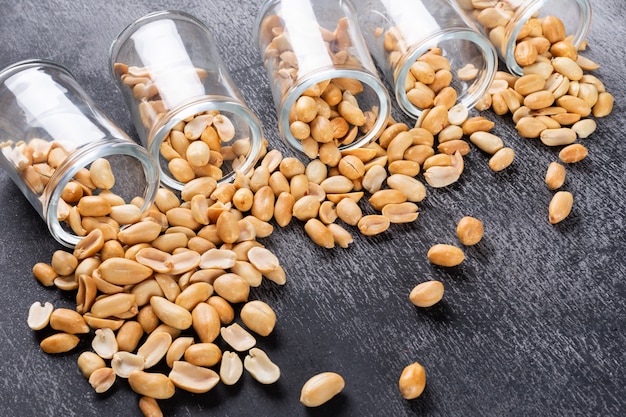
pixel 186 109
pixel 324 83
pixel 67 158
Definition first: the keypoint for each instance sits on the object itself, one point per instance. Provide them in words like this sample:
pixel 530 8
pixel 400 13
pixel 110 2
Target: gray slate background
pixel 532 323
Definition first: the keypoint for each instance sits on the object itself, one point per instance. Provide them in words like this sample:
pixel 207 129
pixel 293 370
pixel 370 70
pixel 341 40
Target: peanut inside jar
pixel 323 82
pixel 207 137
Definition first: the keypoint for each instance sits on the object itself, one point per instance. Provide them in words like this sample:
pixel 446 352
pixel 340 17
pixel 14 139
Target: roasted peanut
pixel 560 206
pixel 469 230
pixel 445 255
pixel 412 381
pixel 427 294
pixel 321 388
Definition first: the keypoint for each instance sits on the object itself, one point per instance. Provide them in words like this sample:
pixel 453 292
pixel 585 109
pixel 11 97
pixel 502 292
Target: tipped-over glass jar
pixel 324 83
pixel 428 53
pixel 537 24
pixel 187 110
pixel 78 170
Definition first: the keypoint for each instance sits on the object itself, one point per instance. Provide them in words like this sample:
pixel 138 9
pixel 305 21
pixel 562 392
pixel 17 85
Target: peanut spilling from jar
pixel 554 99
pixel 88 201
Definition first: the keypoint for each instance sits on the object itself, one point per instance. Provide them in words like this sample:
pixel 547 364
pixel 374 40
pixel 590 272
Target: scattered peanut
pixel 560 206
pixel 39 315
pixel 260 366
pixel 469 230
pixel 321 388
pixel 555 175
pixel 445 255
pixel 427 294
pixel 412 381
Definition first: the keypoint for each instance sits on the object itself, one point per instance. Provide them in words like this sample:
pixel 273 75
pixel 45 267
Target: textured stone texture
pixel 532 324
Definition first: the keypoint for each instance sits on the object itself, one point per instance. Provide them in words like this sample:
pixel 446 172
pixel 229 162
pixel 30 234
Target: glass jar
pixel 506 22
pixel 59 149
pixel 186 108
pixel 324 83
pixel 400 33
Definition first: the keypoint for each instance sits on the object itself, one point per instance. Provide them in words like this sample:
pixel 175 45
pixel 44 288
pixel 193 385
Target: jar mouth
pixel 20 66
pixel 374 95
pixel 120 151
pixel 461 47
pixel 248 136
pixel 579 27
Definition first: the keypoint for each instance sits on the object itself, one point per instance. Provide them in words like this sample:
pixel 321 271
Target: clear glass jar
pixel 52 134
pixel 505 22
pixel 401 32
pixel 315 55
pixel 169 70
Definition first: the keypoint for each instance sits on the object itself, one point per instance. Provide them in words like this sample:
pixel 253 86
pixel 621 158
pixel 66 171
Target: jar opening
pixel 135 181
pixel 472 61
pixel 371 95
pixel 212 136
pixel 576 19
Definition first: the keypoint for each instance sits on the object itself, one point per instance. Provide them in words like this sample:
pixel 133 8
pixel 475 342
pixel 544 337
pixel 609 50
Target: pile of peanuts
pixel 166 287
pixel 133 287
pixel 87 201
pixel 327 115
pixel 200 145
pixel 203 145
pixel 187 265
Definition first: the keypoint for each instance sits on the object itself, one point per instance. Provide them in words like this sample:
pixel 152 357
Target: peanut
pixel 321 388
pixel 445 255
pixel 426 294
pixel 412 381
pixel 469 230
pixel 560 206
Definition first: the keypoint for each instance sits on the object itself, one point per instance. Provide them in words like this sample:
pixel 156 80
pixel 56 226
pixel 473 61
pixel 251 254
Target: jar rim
pixel 375 84
pixel 17 67
pixel 160 130
pixel 82 157
pixel 489 54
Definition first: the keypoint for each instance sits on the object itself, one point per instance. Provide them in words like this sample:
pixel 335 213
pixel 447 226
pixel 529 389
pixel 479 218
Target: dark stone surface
pixel 532 323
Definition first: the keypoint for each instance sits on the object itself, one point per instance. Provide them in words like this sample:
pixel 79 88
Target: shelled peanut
pixel 321 388
pixel 206 144
pixel 328 114
pixel 412 381
pixel 87 201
